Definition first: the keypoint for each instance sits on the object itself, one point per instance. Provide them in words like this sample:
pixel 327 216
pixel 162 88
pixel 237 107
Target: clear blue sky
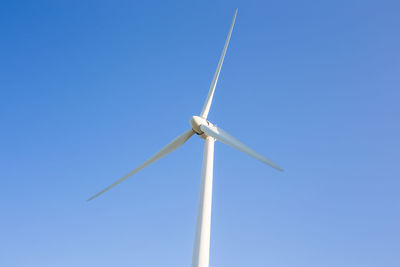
pixel 90 90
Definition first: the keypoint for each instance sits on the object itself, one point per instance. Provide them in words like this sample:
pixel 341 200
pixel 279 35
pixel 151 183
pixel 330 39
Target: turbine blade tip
pixel 278 168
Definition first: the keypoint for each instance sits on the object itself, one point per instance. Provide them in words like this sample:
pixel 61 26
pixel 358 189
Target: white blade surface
pixel 207 104
pixel 227 139
pixel 177 142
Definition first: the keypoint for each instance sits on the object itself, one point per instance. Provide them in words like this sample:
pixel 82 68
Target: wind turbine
pixel 209 132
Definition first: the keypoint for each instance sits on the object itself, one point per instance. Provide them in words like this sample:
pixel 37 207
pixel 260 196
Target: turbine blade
pixel 207 104
pixel 177 142
pixel 227 139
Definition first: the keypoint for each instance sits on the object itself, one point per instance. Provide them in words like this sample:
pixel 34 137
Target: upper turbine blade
pixel 207 104
pixel 227 139
pixel 177 142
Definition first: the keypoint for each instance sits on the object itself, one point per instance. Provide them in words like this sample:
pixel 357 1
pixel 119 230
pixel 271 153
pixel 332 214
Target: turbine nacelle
pixel 196 122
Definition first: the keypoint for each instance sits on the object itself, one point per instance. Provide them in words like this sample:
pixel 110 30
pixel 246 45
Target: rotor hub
pixel 196 122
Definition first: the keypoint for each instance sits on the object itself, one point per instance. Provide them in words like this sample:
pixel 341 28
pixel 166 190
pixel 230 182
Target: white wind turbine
pixel 206 130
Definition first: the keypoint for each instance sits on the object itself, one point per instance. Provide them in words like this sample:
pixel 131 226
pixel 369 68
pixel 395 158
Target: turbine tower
pixel 210 133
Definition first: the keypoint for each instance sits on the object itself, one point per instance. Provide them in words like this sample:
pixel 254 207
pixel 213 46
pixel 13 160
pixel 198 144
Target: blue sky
pixel 90 90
